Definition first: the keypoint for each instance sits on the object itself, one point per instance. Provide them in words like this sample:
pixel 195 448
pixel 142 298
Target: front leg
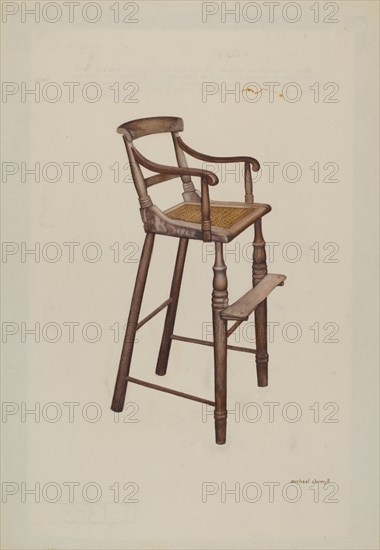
pixel 220 302
pixel 259 270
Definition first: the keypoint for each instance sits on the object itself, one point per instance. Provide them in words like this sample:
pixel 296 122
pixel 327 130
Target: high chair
pixel 196 217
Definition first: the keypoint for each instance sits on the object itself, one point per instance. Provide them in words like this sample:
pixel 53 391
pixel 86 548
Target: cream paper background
pixel 170 452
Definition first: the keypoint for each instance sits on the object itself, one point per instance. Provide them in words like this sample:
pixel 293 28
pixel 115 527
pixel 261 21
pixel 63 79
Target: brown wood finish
pixel 130 333
pixel 204 226
pixel 210 177
pixel 154 313
pixel 159 178
pixel 189 191
pixel 169 390
pixel 166 340
pixel 210 344
pixel 243 307
pixel 249 162
pixel 219 302
pixel 140 127
pixel 219 160
pixel 259 271
pixel 249 198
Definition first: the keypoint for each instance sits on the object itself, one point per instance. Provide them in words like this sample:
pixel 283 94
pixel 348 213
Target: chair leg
pixel 219 302
pixel 130 333
pixel 259 270
pixel 166 341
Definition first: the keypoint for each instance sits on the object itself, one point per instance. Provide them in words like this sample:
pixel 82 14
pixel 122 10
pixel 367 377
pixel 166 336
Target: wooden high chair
pixel 196 218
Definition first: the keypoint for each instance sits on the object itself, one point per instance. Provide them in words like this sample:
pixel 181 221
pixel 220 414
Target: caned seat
pixel 196 217
pixel 227 219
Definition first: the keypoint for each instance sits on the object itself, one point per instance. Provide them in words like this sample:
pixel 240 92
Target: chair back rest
pixel 141 127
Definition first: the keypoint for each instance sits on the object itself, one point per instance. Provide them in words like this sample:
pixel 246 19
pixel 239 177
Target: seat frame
pixel 155 221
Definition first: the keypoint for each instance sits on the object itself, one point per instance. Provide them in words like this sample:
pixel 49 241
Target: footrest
pixel 242 308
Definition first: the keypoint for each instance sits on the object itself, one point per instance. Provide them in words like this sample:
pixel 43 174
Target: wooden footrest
pixel 242 308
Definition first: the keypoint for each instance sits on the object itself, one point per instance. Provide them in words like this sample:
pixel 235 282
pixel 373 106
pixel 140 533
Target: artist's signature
pixel 310 481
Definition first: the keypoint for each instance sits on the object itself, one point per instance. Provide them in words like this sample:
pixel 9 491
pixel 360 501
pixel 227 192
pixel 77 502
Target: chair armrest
pixel 209 177
pixel 255 165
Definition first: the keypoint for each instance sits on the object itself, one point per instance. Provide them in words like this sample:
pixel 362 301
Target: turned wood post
pixel 259 270
pixel 249 198
pixel 220 302
pixel 206 211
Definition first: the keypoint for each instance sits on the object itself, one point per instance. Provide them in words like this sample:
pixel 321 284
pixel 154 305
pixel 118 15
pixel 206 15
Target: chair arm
pixel 209 177
pixel 255 165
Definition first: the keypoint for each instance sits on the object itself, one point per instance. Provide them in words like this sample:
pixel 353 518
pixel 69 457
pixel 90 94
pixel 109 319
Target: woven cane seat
pixel 228 219
pixel 221 216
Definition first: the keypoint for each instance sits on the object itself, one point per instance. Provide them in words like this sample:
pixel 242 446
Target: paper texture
pixel 293 84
